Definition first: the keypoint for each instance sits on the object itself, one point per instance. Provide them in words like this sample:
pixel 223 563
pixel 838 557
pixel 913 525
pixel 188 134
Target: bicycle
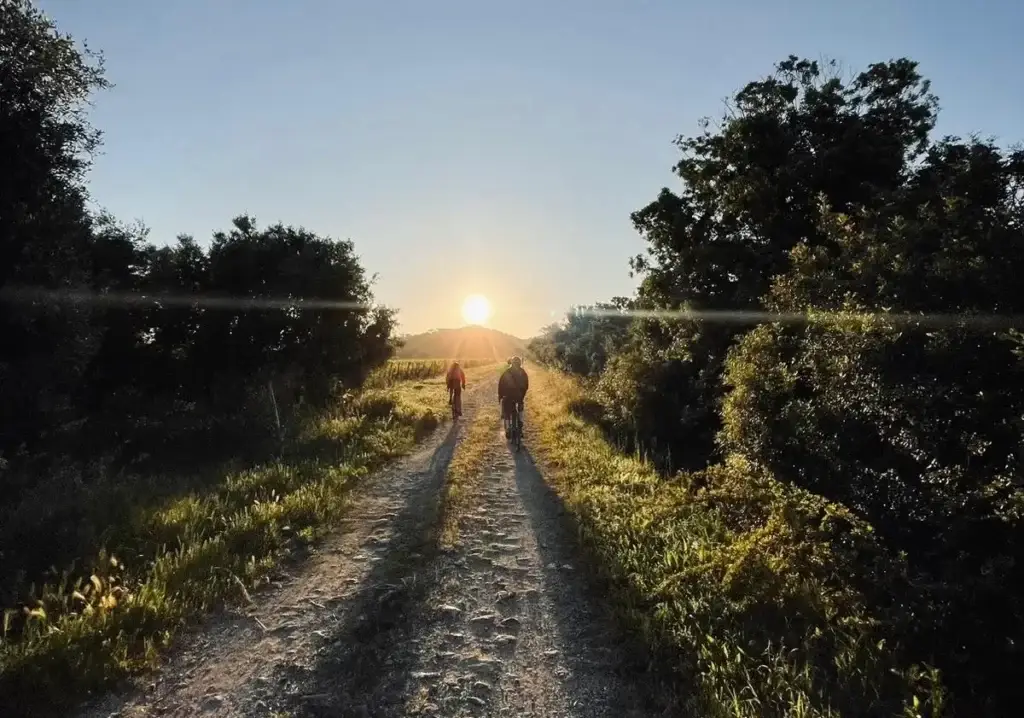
pixel 514 428
pixel 455 401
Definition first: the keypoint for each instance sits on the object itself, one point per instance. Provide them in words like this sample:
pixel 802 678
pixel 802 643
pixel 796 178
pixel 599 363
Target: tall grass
pixel 108 616
pixel 756 594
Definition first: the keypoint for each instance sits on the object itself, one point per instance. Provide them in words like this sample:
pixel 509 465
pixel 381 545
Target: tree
pixel 889 384
pixel 588 336
pixel 319 345
pixel 914 424
pixel 751 191
pixel 44 226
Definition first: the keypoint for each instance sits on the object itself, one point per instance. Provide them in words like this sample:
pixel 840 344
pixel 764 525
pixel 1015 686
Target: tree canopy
pixel 98 323
pixel 887 385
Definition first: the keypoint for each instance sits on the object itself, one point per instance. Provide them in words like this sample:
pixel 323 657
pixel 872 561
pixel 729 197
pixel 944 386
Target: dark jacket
pixel 513 384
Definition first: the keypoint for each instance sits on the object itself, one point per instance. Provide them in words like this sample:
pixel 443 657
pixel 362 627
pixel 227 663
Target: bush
pixel 825 304
pixel 774 601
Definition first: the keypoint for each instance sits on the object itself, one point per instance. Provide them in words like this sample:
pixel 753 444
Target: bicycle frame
pixel 455 402
pixel 514 427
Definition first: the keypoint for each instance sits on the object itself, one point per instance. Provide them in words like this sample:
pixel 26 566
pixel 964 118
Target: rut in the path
pixel 499 626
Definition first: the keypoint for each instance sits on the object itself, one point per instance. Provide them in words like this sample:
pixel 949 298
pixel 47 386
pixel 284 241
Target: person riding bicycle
pixel 456 380
pixel 512 388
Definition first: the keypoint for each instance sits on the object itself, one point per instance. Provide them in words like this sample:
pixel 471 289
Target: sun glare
pixel 476 309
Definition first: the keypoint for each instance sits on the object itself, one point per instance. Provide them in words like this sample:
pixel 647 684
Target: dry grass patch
pixel 465 472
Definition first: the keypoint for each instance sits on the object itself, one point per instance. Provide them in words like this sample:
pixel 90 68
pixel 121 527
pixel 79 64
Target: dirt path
pixel 384 622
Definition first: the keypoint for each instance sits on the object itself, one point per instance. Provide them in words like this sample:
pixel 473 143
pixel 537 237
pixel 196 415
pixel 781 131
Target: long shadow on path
pixel 362 666
pixel 607 667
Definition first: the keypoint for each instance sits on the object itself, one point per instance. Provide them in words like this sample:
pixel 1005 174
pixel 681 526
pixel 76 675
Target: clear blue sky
pixel 475 146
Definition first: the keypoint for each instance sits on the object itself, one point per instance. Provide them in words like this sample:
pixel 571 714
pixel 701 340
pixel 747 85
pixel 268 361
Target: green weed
pixel 750 589
pixel 189 554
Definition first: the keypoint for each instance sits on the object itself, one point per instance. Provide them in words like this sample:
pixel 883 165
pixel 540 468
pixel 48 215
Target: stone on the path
pixel 212 702
pixel 484 665
pixel 284 627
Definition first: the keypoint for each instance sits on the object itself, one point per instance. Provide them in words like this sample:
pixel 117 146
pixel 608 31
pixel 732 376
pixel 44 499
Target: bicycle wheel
pixel 518 440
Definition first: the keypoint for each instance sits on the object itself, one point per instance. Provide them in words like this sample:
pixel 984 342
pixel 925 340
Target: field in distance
pixel 399 370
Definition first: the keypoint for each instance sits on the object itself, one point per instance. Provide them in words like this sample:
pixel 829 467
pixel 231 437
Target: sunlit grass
pixel 191 554
pixel 743 585
pixel 466 467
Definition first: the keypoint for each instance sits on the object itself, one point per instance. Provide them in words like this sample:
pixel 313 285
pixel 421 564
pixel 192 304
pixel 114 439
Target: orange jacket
pixel 456 377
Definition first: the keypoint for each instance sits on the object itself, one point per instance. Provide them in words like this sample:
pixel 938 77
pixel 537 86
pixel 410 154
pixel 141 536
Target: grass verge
pixel 186 555
pixel 464 471
pixel 756 594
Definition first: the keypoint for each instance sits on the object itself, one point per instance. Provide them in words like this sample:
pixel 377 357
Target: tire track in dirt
pixel 247 662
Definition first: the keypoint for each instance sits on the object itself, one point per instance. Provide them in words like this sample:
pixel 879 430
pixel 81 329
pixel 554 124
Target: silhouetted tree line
pixel 109 341
pixel 829 201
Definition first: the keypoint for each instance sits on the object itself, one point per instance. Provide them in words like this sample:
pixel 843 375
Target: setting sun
pixel 476 309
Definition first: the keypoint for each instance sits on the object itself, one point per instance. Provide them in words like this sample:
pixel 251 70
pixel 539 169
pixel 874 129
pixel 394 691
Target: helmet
pixel 455 364
pixel 516 362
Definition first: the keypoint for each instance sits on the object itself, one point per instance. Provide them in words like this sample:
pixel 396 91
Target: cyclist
pixel 512 388
pixel 456 381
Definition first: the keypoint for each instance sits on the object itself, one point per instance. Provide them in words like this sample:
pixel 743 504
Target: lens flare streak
pixel 35 295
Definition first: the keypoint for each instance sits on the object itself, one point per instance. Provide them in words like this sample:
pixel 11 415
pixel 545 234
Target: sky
pixel 475 146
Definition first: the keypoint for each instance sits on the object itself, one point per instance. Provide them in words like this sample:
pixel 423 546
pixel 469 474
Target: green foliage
pixel 583 343
pixel 894 395
pixel 915 427
pixel 173 557
pixel 155 401
pixel 177 326
pixel 45 230
pixel 172 353
pixel 762 596
pixel 751 192
pixel 199 353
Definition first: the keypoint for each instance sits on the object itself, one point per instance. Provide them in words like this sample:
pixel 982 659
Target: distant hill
pixel 463 343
